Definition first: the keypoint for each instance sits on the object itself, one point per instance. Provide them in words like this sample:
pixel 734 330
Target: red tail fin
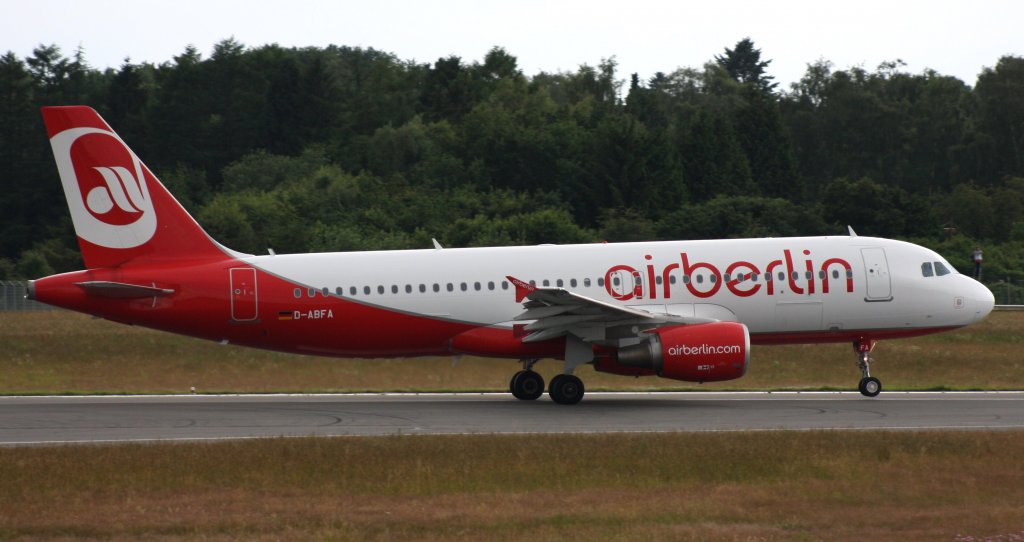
pixel 120 210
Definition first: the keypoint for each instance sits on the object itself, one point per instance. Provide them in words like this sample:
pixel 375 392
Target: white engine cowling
pixel 695 353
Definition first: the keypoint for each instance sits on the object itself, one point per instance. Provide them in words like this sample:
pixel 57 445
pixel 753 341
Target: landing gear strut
pixel 869 385
pixel 527 385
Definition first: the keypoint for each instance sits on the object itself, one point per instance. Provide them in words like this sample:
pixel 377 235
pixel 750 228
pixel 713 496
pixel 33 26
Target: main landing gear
pixel 527 385
pixel 869 385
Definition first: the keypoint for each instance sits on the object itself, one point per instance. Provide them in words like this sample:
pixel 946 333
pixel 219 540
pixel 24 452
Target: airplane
pixel 684 310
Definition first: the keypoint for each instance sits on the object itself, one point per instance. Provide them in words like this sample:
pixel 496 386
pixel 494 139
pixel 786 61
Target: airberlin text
pixel 741 278
pixel 703 350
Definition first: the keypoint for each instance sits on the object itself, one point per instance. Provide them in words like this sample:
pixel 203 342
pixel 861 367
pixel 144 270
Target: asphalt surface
pixel 37 420
pixel 51 420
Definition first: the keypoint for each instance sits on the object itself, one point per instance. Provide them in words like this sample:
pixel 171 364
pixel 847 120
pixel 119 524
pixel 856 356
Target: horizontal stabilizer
pixel 120 290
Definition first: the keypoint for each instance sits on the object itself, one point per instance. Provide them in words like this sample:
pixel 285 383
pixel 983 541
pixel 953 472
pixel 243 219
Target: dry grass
pixel 61 352
pixel 746 486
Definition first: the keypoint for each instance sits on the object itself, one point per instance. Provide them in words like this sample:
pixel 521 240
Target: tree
pixel 744 64
pixel 1000 96
pixel 713 160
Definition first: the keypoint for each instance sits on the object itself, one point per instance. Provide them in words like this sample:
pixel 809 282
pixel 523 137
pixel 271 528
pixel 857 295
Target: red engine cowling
pixel 696 353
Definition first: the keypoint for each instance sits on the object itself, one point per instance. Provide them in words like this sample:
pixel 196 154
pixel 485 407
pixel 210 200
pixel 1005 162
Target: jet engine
pixel 694 353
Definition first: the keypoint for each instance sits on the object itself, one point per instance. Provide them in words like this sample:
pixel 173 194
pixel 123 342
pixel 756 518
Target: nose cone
pixel 978 300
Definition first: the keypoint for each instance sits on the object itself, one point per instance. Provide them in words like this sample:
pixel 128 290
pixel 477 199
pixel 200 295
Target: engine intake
pixel 697 353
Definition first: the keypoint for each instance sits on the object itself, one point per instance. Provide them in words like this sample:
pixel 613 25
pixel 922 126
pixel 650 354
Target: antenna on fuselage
pixel 852 233
pixel 437 246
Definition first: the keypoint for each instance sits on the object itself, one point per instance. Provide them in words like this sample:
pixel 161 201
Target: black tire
pixel 527 385
pixel 512 384
pixel 566 389
pixel 870 386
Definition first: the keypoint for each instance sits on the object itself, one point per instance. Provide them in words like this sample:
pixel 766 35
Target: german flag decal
pixel 285 315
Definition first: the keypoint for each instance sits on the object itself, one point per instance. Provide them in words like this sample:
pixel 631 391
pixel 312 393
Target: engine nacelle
pixel 695 353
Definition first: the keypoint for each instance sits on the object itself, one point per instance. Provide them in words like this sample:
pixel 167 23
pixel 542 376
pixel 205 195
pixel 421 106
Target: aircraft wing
pixel 556 312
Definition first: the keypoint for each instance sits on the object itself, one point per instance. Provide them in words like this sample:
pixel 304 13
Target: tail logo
pixel 105 185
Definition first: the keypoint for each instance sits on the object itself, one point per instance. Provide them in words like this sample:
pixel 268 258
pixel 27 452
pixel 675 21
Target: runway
pixel 96 419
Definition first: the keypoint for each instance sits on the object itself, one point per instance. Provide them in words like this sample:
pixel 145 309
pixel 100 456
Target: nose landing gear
pixel 869 386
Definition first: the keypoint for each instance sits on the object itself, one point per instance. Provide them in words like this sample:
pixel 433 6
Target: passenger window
pixel 753 277
pixel 686 279
pixel 767 277
pixel 339 290
pixel 615 281
pixel 849 273
pixel 463 287
pixel 311 292
pixel 423 288
pixel 490 285
pixel 726 277
pixel 586 283
pixel 437 287
pixel 352 290
pixel 408 288
pixel 700 279
pixel 572 283
pixel 380 289
pixel 600 281
pixel 657 280
pixel 941 269
pixel 298 293
pixel 326 291
pixel 366 290
pixel 808 275
pixel 504 285
pixel 782 276
pixel 835 273
pixel 926 269
pixel 450 287
pixel 394 288
pixel 671 279
pixel 559 283
pixel 547 283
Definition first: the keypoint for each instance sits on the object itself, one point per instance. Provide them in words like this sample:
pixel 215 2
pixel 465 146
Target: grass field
pixel 953 486
pixel 64 352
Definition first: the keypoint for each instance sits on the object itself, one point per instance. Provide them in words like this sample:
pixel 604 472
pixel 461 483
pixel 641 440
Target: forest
pixel 347 148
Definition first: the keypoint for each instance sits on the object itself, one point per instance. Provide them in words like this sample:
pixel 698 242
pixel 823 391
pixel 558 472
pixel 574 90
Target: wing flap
pixel 556 312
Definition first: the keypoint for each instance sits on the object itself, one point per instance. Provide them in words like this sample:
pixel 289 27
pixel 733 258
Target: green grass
pixel 736 486
pixel 63 352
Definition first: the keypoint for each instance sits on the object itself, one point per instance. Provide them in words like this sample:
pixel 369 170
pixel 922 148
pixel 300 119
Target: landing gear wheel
pixel 512 383
pixel 527 385
pixel 566 389
pixel 870 386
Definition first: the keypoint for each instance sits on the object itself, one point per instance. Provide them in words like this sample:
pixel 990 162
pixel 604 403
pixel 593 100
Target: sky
pixel 957 38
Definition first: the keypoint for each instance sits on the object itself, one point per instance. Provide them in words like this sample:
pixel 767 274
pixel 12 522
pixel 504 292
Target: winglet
pixel 523 289
pixel 852 233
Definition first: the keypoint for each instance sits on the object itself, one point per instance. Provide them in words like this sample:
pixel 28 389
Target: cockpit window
pixel 926 269
pixel 941 269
